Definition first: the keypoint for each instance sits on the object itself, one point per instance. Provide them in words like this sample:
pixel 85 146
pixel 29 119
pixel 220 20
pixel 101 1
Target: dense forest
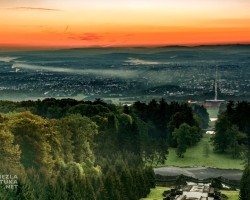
pixel 233 136
pixel 233 130
pixel 68 149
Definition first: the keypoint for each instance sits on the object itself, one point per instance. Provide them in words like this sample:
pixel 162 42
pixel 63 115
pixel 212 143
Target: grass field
pixel 156 194
pixel 232 195
pixel 213 112
pixel 202 155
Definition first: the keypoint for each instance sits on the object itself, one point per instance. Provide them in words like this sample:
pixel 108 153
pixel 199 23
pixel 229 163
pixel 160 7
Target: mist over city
pixel 127 74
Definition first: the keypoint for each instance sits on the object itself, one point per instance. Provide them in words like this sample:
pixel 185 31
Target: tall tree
pixel 9 152
pixel 185 136
pixel 245 184
pixel 77 134
pixel 221 139
pixel 31 134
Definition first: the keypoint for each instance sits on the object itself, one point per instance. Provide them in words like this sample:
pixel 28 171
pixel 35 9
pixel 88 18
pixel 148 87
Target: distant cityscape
pixel 188 75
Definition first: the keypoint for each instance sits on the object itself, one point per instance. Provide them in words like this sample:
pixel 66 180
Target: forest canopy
pixel 68 149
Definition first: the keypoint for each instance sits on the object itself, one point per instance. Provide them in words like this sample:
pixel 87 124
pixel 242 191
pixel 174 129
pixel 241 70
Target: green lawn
pixel 232 195
pixel 202 155
pixel 213 112
pixel 156 194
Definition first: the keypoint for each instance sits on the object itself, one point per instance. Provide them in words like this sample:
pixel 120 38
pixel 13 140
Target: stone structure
pixel 192 192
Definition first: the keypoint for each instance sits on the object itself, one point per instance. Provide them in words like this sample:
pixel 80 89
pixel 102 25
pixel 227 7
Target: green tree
pixel 216 183
pixel 31 133
pixel 185 115
pixel 228 138
pixel 202 115
pixel 9 152
pixel 221 139
pixel 24 190
pixel 124 133
pixel 155 152
pixel 235 136
pixel 185 136
pixel 77 138
pixel 180 181
pixel 245 184
pixel 106 140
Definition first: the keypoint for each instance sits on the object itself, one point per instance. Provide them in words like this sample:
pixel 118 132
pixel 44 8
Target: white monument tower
pixel 215 102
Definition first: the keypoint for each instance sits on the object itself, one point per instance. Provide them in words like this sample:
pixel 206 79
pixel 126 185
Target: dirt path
pixel 200 172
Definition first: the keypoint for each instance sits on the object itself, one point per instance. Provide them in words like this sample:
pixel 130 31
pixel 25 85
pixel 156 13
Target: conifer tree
pixel 245 184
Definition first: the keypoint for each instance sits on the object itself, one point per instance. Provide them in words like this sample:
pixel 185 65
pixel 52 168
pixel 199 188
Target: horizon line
pixel 11 46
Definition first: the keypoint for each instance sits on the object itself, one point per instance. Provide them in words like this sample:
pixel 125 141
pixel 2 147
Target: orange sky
pixel 76 23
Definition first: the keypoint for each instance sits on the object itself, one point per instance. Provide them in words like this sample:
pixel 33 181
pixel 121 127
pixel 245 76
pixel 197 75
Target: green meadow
pixel 232 195
pixel 213 112
pixel 156 193
pixel 202 155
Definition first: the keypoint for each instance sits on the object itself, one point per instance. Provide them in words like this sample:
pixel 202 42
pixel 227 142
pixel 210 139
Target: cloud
pixel 7 58
pixel 34 8
pixel 90 36
pixel 135 61
pixel 119 73
pixel 86 37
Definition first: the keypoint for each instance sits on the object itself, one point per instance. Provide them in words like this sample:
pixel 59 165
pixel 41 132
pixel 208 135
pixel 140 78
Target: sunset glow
pixel 75 23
